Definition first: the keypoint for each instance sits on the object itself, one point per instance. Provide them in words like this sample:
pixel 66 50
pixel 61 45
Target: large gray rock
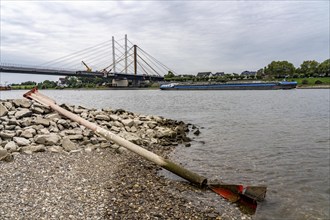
pixel 75 137
pixel 8 105
pixel 143 118
pixel 87 133
pixel 10 127
pixel 3 153
pixel 26 122
pixel 18 131
pixel 42 121
pixel 60 127
pixel 70 132
pixel 132 138
pixel 21 141
pixel 53 129
pixel 78 110
pixel 128 122
pixel 43 131
pixel 105 145
pixel 28 133
pixel 7 134
pixel 73 124
pixel 47 139
pixel 22 103
pixel 11 114
pixel 150 133
pixel 37 110
pixel 61 123
pixel 5 156
pixel 165 132
pixel 3 110
pixel 23 113
pixel 114 117
pixel 13 122
pixel 107 124
pixel 84 115
pixel 134 129
pixel 117 124
pixel 158 119
pixel 102 117
pixel 137 122
pixel 152 124
pixel 116 129
pixel 55 149
pixel 67 107
pixel 11 146
pixel 68 145
pixel 53 115
pixel 33 149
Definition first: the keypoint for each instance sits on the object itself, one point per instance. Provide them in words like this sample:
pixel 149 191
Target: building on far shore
pixel 219 74
pixel 248 74
pixel 204 74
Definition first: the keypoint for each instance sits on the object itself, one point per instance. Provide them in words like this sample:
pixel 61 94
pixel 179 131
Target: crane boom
pixel 88 68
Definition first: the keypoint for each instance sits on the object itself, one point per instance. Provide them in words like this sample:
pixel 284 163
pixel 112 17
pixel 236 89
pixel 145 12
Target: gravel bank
pixel 59 170
pixel 57 186
pixel 102 184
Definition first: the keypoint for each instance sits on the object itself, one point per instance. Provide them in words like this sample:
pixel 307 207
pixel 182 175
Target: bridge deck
pixel 57 72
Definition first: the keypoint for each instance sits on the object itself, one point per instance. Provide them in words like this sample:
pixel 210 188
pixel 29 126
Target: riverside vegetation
pixel 309 73
pixel 53 168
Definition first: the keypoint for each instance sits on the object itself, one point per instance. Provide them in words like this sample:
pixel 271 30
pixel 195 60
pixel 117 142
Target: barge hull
pixel 232 86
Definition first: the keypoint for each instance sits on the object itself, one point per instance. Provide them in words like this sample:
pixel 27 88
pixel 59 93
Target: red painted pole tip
pixel 28 94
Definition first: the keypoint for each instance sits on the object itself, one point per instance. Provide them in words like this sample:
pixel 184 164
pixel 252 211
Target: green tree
pixel 47 84
pixel 308 68
pixel 279 69
pixel 27 83
pixel 72 81
pixel 170 74
pixel 324 68
pixel 260 73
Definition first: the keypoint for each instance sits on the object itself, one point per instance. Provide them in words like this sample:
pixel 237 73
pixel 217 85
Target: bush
pixel 304 82
pixel 317 82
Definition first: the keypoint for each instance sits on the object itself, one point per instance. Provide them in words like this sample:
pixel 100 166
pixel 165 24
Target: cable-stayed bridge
pixel 118 60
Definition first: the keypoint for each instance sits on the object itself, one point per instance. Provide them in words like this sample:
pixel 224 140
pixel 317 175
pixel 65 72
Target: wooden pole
pixel 170 166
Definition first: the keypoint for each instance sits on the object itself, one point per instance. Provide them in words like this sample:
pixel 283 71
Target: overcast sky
pixel 187 36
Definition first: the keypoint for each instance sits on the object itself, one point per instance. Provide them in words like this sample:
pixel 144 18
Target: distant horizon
pixel 5 77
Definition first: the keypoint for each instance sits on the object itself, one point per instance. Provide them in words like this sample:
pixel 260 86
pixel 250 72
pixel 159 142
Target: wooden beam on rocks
pixel 170 166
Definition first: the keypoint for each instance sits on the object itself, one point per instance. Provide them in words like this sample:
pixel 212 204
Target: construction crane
pixel 88 68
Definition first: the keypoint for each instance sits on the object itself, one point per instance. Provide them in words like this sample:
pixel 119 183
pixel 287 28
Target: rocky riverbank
pixel 53 168
pixel 28 127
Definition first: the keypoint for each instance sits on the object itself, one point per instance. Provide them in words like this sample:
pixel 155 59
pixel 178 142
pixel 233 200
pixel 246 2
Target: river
pixel 278 138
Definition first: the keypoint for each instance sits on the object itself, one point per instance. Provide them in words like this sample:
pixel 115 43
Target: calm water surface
pixel 276 138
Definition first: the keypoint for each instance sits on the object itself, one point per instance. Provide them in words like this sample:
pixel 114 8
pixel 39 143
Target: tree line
pixel 309 68
pixel 274 70
pixel 67 82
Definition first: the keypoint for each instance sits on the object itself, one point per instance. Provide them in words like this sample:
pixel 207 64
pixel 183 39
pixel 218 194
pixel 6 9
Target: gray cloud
pixel 188 36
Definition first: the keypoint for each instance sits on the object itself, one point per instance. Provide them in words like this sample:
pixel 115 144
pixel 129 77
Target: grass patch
pixel 23 87
pixel 311 81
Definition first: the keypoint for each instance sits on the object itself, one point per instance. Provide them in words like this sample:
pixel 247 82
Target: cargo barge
pixel 231 86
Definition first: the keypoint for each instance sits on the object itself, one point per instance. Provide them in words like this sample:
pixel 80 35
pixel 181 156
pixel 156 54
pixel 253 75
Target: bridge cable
pixel 72 54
